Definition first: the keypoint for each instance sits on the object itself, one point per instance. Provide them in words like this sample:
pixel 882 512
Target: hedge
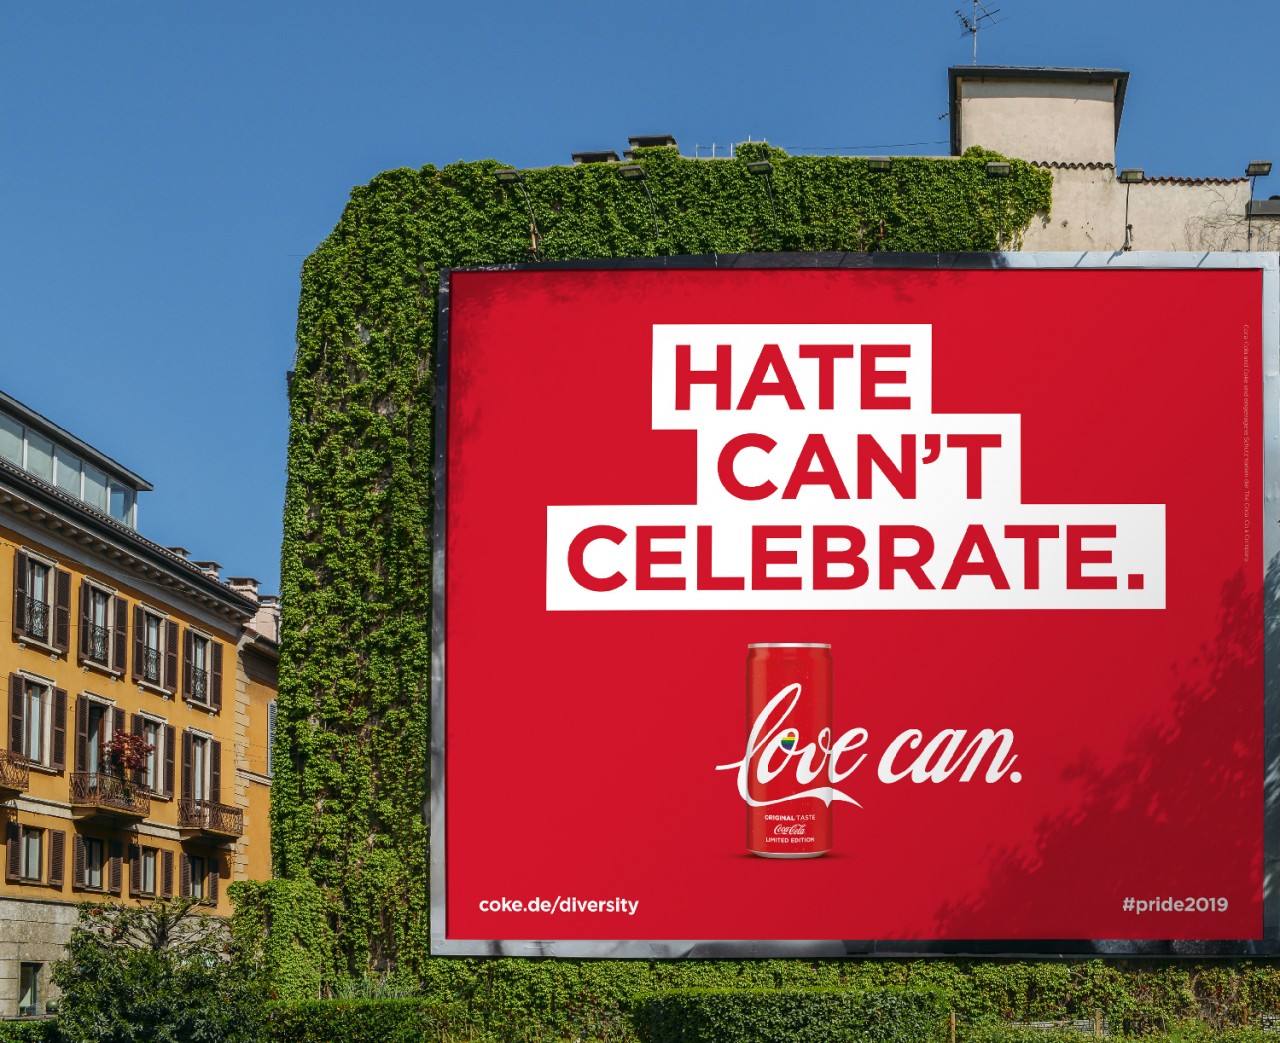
pixel 366 1021
pixel 43 1031
pixel 796 1015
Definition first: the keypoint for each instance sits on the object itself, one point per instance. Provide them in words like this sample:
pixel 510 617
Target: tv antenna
pixel 971 25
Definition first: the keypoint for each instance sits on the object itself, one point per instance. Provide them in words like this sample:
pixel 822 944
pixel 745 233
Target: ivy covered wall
pixel 351 755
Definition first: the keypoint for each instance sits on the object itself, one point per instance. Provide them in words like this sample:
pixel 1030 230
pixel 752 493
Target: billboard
pixel 785 605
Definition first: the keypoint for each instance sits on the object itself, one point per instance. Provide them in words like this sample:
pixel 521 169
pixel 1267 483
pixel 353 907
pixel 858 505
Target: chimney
pixel 246 585
pixel 267 621
pixel 181 552
pixel 209 568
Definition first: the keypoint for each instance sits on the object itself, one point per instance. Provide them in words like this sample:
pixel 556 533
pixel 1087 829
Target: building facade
pixel 133 681
pixel 1068 121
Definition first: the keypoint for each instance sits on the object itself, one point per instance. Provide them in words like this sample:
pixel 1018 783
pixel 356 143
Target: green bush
pixel 365 1021
pixel 1185 1032
pixel 156 973
pixel 796 1015
pixel 29 1032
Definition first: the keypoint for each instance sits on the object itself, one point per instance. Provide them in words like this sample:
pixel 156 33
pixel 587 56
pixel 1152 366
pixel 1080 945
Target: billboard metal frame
pixel 434 809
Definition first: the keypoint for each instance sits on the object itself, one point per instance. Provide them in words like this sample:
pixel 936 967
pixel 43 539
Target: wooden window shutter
pixel 57 856
pixel 13 844
pixel 58 747
pixel 215 675
pixel 86 620
pixel 117 721
pixel 166 874
pixel 188 765
pixel 170 734
pixel 184 875
pixel 120 639
pixel 211 881
pixel 20 565
pixel 188 641
pixel 135 870
pixel 62 610
pixel 170 656
pixel 77 861
pixel 215 771
pixel 82 733
pixel 139 642
pixel 115 873
pixel 135 727
pixel 17 714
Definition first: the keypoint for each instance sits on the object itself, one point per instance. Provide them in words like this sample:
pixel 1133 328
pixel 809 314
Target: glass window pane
pixel 40 456
pixel 95 487
pixel 68 471
pixel 121 503
pixel 29 989
pixel 10 439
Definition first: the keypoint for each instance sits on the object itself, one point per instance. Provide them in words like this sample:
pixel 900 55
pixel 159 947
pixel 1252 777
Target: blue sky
pixel 165 168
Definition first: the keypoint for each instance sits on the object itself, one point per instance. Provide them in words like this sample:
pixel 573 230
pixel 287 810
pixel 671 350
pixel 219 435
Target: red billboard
pixel 831 609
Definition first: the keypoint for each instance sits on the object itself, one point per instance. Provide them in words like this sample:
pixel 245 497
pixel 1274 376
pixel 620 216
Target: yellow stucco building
pixel 134 756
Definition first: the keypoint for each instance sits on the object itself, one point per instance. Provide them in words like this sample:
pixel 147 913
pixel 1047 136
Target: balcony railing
pixel 94 789
pixel 35 618
pixel 200 685
pixel 99 641
pixel 151 665
pixel 210 817
pixel 14 771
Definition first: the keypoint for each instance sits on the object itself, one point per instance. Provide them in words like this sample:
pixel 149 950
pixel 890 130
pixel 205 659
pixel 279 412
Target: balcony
pixel 14 772
pixel 149 668
pixel 98 644
pixel 34 621
pixel 207 818
pixel 96 793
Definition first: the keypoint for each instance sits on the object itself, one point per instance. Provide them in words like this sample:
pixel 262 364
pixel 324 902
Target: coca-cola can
pixel 789 711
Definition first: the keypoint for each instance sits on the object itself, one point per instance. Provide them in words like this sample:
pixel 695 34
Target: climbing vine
pixel 351 754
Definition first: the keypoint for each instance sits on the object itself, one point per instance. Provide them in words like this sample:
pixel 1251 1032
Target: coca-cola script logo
pixel 774 747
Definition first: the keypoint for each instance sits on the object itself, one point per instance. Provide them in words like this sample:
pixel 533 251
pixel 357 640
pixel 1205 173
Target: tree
pixel 159 972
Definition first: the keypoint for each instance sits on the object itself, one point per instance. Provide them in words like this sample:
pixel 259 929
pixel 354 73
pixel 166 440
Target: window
pixel 94 852
pixel 40 456
pixel 200 877
pixel 199 668
pixel 157 774
pixel 201 771
pixel 35 704
pixel 29 989
pixel 122 504
pixel 200 767
pixel 97 735
pixel 31 853
pixel 68 471
pixel 27 847
pixel 95 488
pixel 38 610
pixel 53 463
pixel 10 440
pixel 99 864
pixel 41 602
pixel 202 670
pixel 38 721
pixel 196 886
pixel 144 864
pixel 104 624
pixel 152 649
pixel 155 649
